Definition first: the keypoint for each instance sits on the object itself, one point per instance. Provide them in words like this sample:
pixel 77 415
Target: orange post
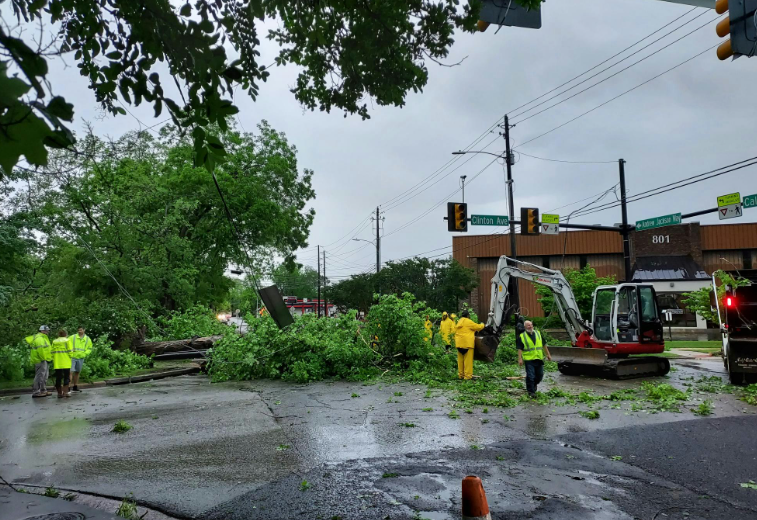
pixel 475 506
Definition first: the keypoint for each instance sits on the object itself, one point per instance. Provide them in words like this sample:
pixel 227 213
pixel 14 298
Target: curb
pixel 112 382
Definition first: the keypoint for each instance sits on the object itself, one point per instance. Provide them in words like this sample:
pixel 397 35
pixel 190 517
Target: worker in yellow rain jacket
pixel 447 330
pixel 40 357
pixel 61 351
pixel 81 346
pixel 429 329
pixel 465 333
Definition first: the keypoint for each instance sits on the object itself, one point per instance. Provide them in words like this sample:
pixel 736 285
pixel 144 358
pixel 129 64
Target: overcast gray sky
pixel 698 117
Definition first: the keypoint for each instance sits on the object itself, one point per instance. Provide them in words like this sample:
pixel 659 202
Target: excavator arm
pixel 502 308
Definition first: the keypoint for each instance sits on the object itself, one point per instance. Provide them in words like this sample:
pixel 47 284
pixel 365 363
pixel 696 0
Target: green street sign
pixel 750 201
pixel 665 220
pixel 489 220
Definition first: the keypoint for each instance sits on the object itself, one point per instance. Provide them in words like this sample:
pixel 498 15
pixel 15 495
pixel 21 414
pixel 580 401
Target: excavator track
pixel 619 368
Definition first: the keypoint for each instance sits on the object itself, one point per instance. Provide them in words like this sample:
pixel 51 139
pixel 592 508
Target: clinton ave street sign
pixel 489 220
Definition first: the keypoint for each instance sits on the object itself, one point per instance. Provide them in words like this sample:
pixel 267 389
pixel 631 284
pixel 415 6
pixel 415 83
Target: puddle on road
pixel 55 431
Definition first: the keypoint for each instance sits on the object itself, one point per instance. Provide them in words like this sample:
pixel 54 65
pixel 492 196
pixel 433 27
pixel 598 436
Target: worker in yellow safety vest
pixel 531 350
pixel 61 351
pixel 447 330
pixel 40 357
pixel 429 329
pixel 465 338
pixel 81 346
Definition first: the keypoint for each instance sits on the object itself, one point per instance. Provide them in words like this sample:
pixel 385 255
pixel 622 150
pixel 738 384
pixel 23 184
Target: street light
pixel 373 243
pixel 461 152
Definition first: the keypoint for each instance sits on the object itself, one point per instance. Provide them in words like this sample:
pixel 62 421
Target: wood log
pixel 149 348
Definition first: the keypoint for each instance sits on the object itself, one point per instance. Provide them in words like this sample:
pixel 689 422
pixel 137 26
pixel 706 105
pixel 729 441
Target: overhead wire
pixel 708 23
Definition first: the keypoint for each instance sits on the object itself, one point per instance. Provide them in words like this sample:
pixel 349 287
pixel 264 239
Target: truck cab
pixel 738 326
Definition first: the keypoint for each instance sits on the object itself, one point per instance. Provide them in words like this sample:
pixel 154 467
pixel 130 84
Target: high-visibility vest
pixel 61 351
pixel 80 347
pixel 531 350
pixel 40 345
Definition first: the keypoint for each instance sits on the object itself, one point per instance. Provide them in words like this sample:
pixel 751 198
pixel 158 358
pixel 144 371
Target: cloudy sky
pixel 698 117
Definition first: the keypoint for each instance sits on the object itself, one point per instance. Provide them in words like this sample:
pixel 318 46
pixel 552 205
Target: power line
pixel 611 66
pixel 562 161
pixel 616 97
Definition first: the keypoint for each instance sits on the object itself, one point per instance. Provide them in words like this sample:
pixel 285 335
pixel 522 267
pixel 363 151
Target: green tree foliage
pixel 138 209
pixel 582 282
pixel 441 284
pixel 347 53
pixel 699 301
pixel 298 281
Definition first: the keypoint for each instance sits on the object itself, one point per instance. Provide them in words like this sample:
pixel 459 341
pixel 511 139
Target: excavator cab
pixel 626 315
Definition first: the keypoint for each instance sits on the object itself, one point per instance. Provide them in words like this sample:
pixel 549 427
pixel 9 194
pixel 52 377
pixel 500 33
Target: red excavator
pixel 625 320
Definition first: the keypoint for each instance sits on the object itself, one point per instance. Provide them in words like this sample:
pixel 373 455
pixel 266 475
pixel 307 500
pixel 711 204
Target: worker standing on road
pixel 429 329
pixel 447 330
pixel 465 338
pixel 61 351
pixel 40 357
pixel 81 346
pixel 531 349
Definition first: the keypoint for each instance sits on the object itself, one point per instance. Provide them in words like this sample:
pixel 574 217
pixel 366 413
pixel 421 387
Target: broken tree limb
pixel 149 348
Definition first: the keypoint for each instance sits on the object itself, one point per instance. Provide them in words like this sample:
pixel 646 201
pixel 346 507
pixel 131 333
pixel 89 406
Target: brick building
pixel 675 259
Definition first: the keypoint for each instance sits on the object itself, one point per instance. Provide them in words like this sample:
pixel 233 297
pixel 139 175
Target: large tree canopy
pixel 347 51
pixel 135 216
pixel 441 284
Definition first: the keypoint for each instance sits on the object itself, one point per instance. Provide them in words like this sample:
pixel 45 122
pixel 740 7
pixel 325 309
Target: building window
pixel 583 261
pixel 746 256
pixel 545 261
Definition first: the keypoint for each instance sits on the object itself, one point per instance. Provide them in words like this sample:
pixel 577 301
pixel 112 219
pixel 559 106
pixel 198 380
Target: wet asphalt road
pixel 268 449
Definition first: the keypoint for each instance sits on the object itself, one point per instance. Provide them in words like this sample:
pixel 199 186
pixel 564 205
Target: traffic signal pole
pixel 624 224
pixel 511 213
pixel 318 302
pixel 378 243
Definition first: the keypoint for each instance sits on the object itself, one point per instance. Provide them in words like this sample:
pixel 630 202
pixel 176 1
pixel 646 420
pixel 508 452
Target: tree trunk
pixel 163 347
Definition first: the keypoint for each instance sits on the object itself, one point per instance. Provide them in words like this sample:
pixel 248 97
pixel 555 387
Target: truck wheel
pixel 736 378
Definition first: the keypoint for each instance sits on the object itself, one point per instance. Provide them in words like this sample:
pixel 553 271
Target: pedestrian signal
pixel 529 221
pixel 457 217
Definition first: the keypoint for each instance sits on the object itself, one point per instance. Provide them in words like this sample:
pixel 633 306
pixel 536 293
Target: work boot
pixel 76 388
pixel 66 393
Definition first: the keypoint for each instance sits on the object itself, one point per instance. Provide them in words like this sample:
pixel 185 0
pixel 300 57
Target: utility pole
pixel 462 178
pixel 318 302
pixel 513 253
pixel 378 242
pixel 325 286
pixel 624 225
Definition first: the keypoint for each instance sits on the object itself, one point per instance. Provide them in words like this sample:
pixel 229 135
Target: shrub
pixel 15 363
pixel 104 361
pixel 197 321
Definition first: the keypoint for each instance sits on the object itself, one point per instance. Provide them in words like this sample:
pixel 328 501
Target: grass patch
pixel 355 395
pixel 408 425
pixel 453 414
pixel 128 509
pixel 283 447
pixel 390 475
pixel 427 410
pixel 121 427
pixel 52 492
pixel 704 408
pixel 693 344
pixel 305 485
pixel 592 414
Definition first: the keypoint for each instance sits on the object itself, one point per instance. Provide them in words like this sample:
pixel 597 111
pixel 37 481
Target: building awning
pixel 662 268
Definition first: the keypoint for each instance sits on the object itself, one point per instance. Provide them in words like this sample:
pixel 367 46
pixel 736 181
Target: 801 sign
pixel 661 239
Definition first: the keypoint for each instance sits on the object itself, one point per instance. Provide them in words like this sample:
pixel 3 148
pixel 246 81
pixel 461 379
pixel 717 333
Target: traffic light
pixel 529 221
pixel 740 25
pixel 457 217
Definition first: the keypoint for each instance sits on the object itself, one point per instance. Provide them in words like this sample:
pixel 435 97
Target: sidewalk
pixel 16 506
pixel 114 381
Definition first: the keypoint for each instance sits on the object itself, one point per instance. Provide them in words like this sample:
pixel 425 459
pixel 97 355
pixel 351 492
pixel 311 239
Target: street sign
pixel 489 220
pixel 674 311
pixel 731 211
pixel 665 220
pixel 550 224
pixel 729 200
pixel 750 201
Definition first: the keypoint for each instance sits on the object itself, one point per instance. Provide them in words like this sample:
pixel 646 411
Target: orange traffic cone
pixel 475 506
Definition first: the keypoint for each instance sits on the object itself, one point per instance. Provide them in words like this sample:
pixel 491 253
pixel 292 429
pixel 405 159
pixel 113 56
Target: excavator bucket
pixel 485 347
pixel 579 356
